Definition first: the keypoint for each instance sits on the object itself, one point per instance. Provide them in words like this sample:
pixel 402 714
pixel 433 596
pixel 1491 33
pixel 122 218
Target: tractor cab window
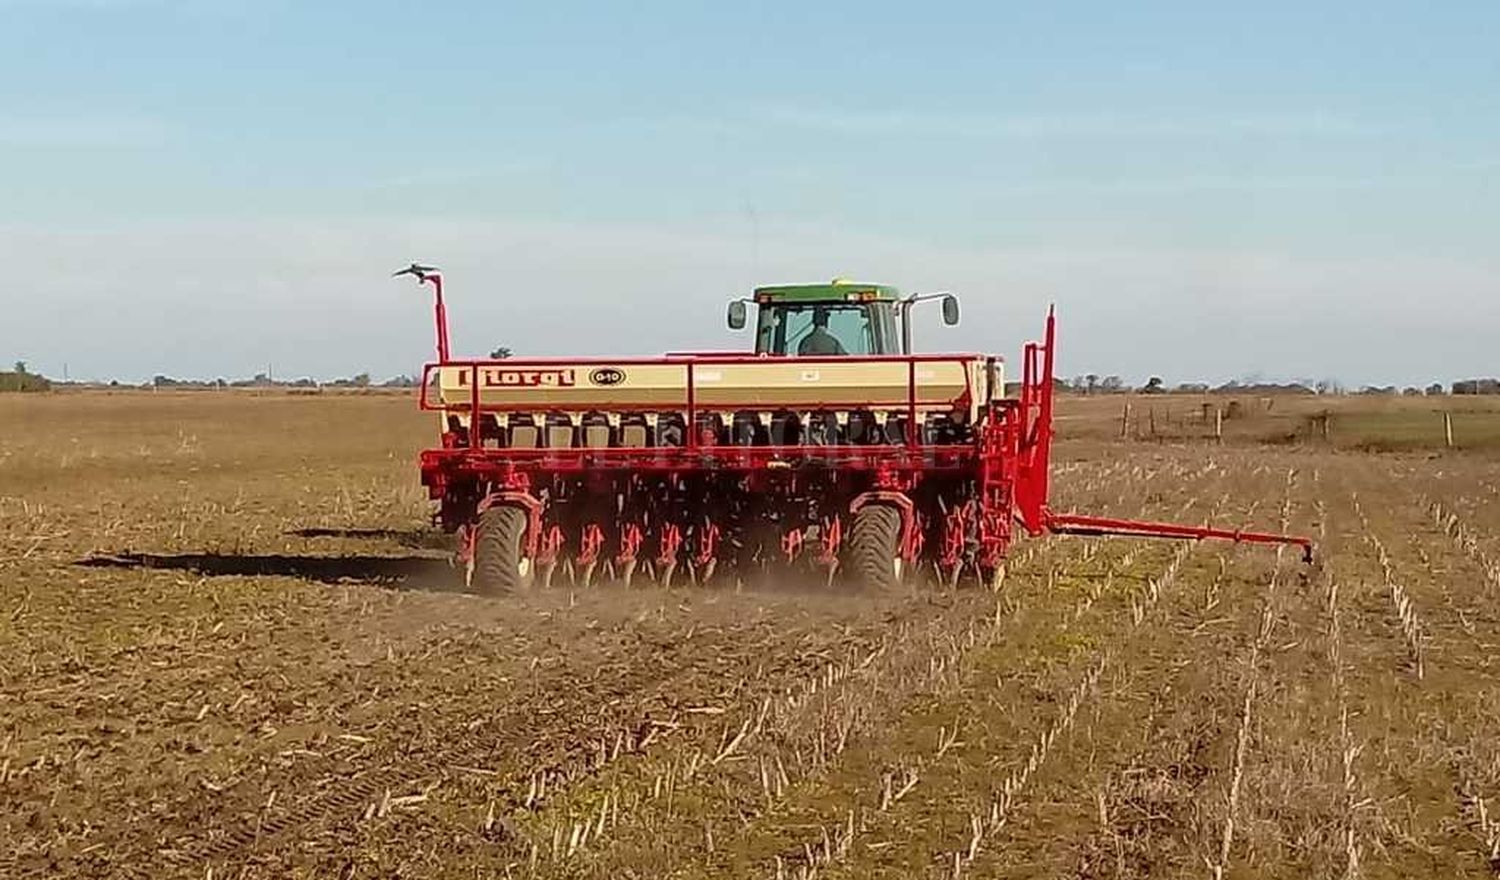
pixel 823 329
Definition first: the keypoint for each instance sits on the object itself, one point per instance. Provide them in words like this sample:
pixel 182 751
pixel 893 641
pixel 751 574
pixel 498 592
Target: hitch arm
pixel 1080 524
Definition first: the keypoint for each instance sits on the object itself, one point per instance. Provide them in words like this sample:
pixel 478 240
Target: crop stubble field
pixel 228 648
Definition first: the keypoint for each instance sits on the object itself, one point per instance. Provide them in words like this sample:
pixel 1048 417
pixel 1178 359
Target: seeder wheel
pixel 874 547
pixel 500 564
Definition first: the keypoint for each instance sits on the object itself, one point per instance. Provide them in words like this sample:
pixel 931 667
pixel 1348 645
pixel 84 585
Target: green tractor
pixel 838 318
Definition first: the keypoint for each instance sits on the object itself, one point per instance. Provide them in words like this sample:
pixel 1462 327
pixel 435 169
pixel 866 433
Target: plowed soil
pixel 230 647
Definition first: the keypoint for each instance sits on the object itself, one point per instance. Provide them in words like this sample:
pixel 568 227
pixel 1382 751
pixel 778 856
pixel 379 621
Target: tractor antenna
pixel 432 275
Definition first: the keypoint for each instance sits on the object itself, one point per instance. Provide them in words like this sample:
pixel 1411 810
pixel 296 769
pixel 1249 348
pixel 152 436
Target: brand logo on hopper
pixel 607 376
pixel 494 378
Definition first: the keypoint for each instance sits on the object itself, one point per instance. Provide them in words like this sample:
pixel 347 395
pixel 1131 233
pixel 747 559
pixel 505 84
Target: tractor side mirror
pixel 737 315
pixel 950 309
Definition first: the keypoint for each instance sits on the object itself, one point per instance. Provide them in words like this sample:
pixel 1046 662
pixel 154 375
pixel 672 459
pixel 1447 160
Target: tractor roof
pixel 837 290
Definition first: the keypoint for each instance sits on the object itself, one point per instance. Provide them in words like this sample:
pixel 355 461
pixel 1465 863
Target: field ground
pixel 262 673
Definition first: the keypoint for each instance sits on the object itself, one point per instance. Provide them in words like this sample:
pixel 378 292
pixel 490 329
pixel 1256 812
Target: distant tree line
pixel 261 380
pixel 1477 386
pixel 22 379
pixel 1094 384
pixel 1466 386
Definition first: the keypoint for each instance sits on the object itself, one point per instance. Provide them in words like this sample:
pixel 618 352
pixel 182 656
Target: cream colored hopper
pixel 764 385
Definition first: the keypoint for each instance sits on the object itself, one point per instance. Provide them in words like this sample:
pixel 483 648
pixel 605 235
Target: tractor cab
pixel 838 318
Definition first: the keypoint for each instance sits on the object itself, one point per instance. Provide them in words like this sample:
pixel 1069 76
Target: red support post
pixel 1043 466
pixel 475 441
pixel 912 435
pixel 439 315
pixel 690 430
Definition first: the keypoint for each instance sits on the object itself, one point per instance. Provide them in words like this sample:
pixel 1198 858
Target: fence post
pixel 1448 429
pixel 1218 425
pixel 1125 422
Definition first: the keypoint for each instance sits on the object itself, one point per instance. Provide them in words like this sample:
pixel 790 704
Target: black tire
pixel 500 563
pixel 875 547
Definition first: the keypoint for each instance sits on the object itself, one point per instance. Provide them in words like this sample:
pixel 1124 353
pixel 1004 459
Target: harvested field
pixel 229 647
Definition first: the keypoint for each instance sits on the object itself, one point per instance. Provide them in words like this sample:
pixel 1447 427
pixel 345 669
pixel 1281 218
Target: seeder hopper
pixel 830 448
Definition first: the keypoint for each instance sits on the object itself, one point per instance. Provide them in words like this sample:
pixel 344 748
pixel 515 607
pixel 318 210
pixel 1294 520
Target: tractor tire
pixel 875 548
pixel 500 562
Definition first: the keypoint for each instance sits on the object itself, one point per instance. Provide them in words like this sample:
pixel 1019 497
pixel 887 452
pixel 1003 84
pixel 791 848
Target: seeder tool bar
pixel 1081 524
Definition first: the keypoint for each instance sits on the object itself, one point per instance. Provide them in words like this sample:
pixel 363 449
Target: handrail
pixel 713 359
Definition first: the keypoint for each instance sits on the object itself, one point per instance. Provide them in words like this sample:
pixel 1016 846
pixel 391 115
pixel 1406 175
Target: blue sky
pixel 203 187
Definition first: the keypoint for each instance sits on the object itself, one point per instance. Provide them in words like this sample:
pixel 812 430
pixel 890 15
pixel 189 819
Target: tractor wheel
pixel 500 564
pixel 875 547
